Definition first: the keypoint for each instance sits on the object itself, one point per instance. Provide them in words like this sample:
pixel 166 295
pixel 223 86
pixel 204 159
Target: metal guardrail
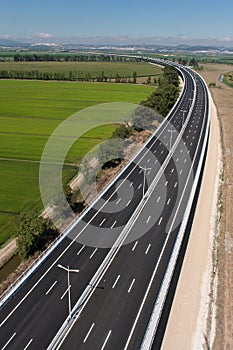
pixel 160 301
pixel 86 295
pixel 157 311
pixel 16 285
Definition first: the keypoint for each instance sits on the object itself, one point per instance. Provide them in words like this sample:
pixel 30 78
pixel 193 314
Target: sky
pixel 179 19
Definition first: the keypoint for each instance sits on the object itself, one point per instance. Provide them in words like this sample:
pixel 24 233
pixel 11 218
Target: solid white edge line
pixel 20 281
pixel 148 339
pixel 60 336
pixel 147 292
pixel 47 253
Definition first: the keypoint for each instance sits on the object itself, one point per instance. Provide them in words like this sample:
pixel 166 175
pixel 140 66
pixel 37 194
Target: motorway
pixel 115 290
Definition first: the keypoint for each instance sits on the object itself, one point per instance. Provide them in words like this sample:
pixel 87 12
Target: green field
pixel 110 69
pixel 29 112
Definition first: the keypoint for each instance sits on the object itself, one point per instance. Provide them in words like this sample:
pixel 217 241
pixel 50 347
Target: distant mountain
pixel 12 43
pixel 83 44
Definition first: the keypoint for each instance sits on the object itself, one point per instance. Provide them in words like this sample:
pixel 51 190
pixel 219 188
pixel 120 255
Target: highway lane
pixel 40 311
pixel 110 314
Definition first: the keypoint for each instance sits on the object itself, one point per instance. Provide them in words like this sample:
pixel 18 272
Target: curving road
pixel 115 291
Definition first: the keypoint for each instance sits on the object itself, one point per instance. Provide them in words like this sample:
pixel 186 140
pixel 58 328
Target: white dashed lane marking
pixel 49 290
pixel 134 247
pixel 88 333
pixel 148 248
pixel 102 222
pixel 115 283
pixel 79 252
pixel 131 286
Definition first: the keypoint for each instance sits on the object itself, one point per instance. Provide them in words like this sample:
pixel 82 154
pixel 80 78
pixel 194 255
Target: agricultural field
pixel 29 112
pixel 110 69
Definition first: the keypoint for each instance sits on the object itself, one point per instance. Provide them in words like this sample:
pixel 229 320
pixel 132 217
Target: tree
pixel 193 62
pixel 164 97
pixel 111 152
pixel 170 76
pixel 143 118
pixel 122 132
pixel 134 77
pixel 148 80
pixel 32 233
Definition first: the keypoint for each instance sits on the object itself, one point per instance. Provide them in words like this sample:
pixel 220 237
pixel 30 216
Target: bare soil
pixel 7 252
pixel 202 311
pixel 186 327
pixel 223 97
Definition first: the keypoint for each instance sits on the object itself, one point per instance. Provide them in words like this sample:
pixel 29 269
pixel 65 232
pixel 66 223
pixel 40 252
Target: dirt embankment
pixel 223 97
pixel 7 252
pixel 204 296
pixel 186 327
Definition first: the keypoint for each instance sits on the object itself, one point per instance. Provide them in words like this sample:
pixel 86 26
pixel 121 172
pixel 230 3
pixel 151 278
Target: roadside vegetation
pixel 33 234
pixel 158 104
pixel 25 127
pixel 117 72
pixel 228 79
pixel 29 112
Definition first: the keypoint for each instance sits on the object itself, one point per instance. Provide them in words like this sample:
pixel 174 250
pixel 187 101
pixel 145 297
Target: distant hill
pixel 59 45
pixel 12 43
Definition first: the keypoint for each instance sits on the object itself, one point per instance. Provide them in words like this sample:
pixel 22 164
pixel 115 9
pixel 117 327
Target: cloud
pixel 226 39
pixel 5 36
pixel 179 39
pixel 43 35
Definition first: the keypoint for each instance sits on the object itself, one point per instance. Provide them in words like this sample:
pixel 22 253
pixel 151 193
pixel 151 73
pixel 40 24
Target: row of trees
pixel 186 62
pixel 51 57
pixel 165 96
pixel 143 118
pixel 70 76
pixel 33 232
pixel 159 102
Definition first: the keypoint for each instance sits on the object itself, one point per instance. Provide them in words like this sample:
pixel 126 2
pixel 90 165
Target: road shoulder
pixel 187 320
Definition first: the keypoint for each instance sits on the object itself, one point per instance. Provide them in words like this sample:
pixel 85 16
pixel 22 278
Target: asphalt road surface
pixel 114 312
